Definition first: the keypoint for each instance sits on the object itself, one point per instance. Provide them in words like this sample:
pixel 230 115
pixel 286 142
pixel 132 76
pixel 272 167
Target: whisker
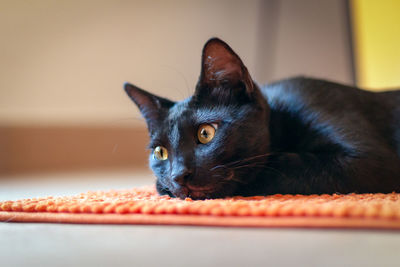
pixel 246 163
pixel 256 165
pixel 248 159
pixel 238 180
pixel 244 166
pixel 216 167
pixel 230 164
pixel 235 162
pixel 231 178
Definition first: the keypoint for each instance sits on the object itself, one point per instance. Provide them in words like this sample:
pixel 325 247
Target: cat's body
pixel 298 136
pixel 327 138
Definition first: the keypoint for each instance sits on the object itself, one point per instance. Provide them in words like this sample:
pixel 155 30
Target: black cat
pixel 297 136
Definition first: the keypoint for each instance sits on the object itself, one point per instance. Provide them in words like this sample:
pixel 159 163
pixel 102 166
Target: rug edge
pixel 195 220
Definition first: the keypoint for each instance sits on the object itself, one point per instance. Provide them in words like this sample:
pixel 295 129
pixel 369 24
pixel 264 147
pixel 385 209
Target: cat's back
pixel 299 93
pixel 345 109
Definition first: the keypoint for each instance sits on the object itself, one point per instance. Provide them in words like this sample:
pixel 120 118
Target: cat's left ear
pixel 152 107
pixel 222 66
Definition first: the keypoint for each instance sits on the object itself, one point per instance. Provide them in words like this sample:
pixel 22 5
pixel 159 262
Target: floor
pixel 29 244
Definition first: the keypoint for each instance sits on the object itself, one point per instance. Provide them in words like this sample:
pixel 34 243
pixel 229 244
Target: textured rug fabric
pixel 144 206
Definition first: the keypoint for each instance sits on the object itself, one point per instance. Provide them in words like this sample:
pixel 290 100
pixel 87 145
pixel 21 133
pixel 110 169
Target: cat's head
pixel 206 146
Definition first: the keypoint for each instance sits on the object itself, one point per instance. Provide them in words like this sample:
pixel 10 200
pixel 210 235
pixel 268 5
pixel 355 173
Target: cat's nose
pixel 181 176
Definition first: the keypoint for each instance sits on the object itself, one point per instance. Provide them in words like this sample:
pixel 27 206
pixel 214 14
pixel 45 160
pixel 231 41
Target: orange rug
pixel 144 206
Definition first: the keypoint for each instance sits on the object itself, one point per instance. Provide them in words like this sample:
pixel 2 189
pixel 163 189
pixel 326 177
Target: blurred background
pixel 63 64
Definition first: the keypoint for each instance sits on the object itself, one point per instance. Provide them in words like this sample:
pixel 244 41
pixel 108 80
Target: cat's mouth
pixel 199 195
pixel 190 191
pixel 200 188
pixel 218 185
pixel 193 193
pixel 197 192
pixel 202 192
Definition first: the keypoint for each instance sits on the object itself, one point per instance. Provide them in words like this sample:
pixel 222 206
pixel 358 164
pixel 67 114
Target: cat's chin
pixel 199 194
pixel 185 192
pixel 195 192
pixel 181 192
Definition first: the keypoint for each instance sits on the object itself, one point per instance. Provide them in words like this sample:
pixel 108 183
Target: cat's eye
pixel 206 132
pixel 161 153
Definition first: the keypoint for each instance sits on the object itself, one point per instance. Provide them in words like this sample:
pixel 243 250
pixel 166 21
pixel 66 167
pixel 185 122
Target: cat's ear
pixel 222 66
pixel 152 107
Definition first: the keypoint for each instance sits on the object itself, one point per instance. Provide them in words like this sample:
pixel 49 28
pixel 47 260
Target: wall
pixel 63 63
pixel 312 38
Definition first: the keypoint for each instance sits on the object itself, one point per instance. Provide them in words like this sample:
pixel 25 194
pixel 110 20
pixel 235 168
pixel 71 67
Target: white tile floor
pixel 28 244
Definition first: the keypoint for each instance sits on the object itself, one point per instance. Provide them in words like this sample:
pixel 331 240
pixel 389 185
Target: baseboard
pixel 34 149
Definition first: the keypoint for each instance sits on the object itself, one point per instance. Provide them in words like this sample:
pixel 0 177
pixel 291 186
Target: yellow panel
pixel 376 29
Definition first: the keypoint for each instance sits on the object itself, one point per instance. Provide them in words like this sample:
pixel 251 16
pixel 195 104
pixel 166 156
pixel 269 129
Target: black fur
pixel 297 136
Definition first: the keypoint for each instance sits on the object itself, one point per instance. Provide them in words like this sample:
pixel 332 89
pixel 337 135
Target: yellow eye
pixel 161 153
pixel 206 133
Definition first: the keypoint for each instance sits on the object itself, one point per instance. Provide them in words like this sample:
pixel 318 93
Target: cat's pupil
pixel 204 133
pixel 160 153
